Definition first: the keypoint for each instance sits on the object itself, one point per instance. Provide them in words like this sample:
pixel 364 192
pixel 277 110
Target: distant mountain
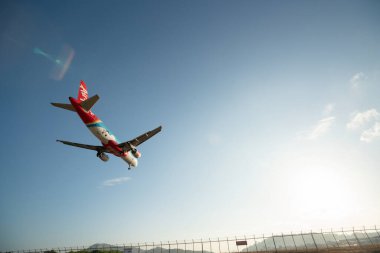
pixel 296 241
pixel 100 246
pixel 313 240
pixel 109 247
pixel 128 249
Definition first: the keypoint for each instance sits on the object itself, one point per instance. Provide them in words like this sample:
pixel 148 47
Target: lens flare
pixel 61 63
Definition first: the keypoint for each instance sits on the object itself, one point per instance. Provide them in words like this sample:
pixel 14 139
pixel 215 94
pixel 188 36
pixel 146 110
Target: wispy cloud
pixel 115 181
pixel 321 128
pixel 372 133
pixel 357 79
pixel 358 119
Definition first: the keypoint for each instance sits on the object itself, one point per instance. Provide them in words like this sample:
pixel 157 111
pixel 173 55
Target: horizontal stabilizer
pixel 88 103
pixel 64 106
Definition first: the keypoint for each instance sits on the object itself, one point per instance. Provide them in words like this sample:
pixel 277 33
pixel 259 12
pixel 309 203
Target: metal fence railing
pixel 344 240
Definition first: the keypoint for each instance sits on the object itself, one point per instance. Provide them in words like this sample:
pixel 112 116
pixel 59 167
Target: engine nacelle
pixel 136 153
pixel 102 156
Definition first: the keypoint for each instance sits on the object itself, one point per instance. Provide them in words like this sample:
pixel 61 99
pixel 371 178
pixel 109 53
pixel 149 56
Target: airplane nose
pixel 135 162
pixel 130 160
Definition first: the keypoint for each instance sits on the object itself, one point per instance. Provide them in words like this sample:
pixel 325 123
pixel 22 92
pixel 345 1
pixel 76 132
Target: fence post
pixel 274 243
pixel 303 239
pixel 245 238
pixel 266 248
pixel 365 232
pixel 349 245
pixel 323 236
pixel 295 245
pixel 333 234
pixel 357 239
pixel 228 245
pixel 377 231
pixel 283 240
pixel 254 239
pixel 312 237
pixel 237 247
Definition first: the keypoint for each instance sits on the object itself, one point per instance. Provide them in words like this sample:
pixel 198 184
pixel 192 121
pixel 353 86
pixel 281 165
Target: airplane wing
pixel 91 147
pixel 140 139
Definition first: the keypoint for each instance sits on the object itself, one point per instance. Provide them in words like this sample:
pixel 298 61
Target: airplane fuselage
pixel 101 132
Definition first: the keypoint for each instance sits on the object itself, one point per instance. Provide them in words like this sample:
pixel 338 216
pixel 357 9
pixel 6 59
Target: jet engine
pixel 135 152
pixel 102 156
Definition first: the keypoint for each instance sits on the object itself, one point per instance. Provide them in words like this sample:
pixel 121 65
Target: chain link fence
pixel 343 240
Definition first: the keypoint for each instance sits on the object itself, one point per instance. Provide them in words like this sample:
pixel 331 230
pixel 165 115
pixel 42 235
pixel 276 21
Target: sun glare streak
pixel 61 63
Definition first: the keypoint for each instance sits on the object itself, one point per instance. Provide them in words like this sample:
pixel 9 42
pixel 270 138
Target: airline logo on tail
pixel 82 94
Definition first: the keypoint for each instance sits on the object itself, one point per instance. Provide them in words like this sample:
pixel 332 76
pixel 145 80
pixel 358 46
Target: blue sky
pixel 270 114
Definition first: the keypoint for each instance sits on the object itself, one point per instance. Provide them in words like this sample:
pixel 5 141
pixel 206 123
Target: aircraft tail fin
pixel 83 99
pixel 88 103
pixel 64 106
pixel 82 92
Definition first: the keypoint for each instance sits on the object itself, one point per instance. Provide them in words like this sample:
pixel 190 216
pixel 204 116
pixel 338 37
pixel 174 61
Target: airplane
pixel 110 144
